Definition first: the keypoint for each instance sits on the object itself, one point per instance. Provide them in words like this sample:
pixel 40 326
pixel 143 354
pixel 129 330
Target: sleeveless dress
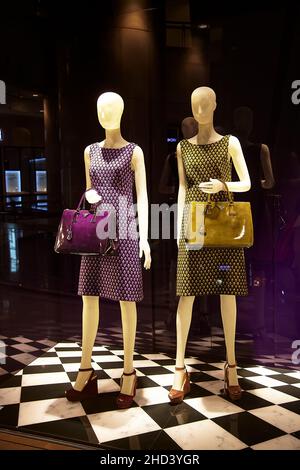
pixel 208 270
pixel 114 277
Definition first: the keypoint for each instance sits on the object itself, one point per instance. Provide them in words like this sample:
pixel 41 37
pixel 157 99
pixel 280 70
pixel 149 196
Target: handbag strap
pixel 82 202
pixel 229 195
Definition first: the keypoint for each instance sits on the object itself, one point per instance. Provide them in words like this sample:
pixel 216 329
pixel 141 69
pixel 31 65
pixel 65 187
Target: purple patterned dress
pixel 114 277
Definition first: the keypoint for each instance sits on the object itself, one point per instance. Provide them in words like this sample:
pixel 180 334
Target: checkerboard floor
pixel 19 351
pixel 267 416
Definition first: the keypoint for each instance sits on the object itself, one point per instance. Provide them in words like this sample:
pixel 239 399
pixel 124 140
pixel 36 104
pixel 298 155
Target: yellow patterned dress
pixel 208 270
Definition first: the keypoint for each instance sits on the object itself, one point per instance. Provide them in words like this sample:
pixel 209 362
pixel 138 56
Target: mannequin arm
pixel 91 195
pixel 236 153
pixel 88 183
pixel 268 182
pixel 181 191
pixel 138 166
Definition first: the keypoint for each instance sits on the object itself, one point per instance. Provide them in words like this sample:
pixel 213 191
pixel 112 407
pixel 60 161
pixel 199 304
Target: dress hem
pixel 139 299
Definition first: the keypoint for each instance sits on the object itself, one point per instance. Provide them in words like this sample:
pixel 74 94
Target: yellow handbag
pixel 219 224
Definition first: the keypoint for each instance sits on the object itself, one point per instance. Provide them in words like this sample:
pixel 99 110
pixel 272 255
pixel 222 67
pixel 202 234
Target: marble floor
pixel 266 417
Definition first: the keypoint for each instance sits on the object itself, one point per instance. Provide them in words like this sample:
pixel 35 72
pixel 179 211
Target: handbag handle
pixel 229 195
pixel 82 200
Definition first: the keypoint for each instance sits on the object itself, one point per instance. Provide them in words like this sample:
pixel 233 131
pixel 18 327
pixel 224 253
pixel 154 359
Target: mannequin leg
pixel 90 321
pixel 228 313
pixel 183 323
pixel 129 320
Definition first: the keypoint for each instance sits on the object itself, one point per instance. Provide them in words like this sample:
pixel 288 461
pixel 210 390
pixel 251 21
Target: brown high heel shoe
pixel 89 390
pixel 234 392
pixel 123 400
pixel 177 396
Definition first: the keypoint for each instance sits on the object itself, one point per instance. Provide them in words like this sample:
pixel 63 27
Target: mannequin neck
pixel 113 138
pixel 207 134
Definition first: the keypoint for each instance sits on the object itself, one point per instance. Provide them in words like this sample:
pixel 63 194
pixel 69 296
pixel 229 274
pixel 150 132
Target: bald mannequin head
pixel 204 103
pixel 110 107
pixel 189 127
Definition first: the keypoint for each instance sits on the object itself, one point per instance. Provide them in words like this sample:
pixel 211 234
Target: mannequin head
pixel 110 108
pixel 189 127
pixel 203 104
pixel 243 121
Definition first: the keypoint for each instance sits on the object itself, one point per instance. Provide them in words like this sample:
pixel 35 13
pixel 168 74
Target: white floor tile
pixel 110 358
pixel 144 363
pixel 119 424
pixel 45 361
pixel 45 378
pixel 204 435
pixel 162 379
pixel 10 396
pixel 273 395
pixel 41 411
pixel 213 406
pixel 156 356
pixel 261 371
pixel 279 417
pixel 74 353
pixel 151 396
pixel 266 381
pixel 295 375
pixel 107 386
pixel 66 345
pixel 286 442
pixel 213 386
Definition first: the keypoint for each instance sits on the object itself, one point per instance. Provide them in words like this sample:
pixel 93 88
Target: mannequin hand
pixel 92 196
pixel 145 248
pixel 212 186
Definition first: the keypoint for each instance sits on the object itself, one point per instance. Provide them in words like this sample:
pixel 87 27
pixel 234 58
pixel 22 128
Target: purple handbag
pixel 77 232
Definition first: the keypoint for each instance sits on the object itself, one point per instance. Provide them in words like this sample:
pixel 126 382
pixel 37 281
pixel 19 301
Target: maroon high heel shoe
pixel 89 390
pixel 234 392
pixel 177 396
pixel 123 400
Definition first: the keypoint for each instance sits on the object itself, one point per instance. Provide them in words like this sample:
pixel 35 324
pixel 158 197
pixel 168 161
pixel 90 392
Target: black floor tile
pixel 111 365
pixel 248 401
pixel 201 377
pixel 11 381
pixel 153 370
pixel 43 392
pixel 44 368
pixel 166 415
pixel 249 385
pixel 149 440
pixel 9 415
pixel 286 379
pixel 103 402
pixel 204 367
pixel 144 382
pixel 248 428
pixel 290 390
pixel 165 362
pixel 75 429
pixel 292 406
pixel 100 374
